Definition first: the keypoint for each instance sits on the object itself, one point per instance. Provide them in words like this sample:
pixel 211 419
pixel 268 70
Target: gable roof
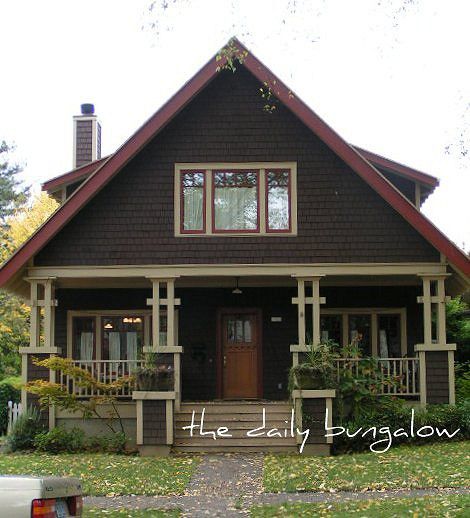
pixel 112 165
pixel 81 173
pixel 396 167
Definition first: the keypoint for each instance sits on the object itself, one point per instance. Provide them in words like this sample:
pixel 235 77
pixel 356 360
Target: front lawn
pixel 435 465
pixel 106 474
pixel 131 513
pixel 429 506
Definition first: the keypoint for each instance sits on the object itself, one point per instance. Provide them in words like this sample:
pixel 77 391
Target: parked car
pixel 45 497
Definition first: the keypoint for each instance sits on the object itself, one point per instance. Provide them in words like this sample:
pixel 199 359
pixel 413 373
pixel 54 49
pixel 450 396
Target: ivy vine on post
pixel 59 395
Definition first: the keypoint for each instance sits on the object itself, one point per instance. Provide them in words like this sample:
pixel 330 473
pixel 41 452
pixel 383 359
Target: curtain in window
pixel 278 200
pixel 131 339
pixel 193 207
pixel 193 200
pixel 383 344
pixel 114 349
pixel 236 208
pixel 86 346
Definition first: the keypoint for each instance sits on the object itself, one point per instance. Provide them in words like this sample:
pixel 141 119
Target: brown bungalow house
pixel 227 233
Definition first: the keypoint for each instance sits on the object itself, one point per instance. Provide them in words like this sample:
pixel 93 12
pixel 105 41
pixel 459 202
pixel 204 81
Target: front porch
pixel 234 338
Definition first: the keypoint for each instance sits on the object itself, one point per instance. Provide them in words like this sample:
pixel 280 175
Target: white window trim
pixel 374 314
pixel 261 166
pixel 98 314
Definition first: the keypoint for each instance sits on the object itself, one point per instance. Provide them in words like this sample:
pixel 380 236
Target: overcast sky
pixel 389 76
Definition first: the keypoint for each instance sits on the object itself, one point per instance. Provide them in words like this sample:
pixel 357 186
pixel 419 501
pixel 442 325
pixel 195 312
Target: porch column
pixel 436 356
pixel 169 302
pixel 302 300
pixel 42 295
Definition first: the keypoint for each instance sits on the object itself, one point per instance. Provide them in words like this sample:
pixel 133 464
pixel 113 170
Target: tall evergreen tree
pixel 13 314
pixel 13 195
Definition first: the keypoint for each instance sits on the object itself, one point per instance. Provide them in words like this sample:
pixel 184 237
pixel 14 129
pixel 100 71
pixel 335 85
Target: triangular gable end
pixel 106 171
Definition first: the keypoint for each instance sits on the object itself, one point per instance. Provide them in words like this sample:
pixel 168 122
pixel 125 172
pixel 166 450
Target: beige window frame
pixel 146 314
pixel 374 313
pixel 207 168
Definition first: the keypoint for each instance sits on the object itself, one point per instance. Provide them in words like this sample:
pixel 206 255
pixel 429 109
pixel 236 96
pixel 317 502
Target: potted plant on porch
pixel 317 370
pixel 154 374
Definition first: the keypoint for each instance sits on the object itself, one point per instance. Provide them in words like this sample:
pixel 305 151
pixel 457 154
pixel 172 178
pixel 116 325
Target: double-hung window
pixel 235 199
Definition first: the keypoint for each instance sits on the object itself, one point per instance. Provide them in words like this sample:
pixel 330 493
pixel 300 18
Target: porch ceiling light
pixel 237 290
pixel 108 326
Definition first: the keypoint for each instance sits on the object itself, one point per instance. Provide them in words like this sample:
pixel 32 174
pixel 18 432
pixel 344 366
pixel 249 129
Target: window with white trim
pixel 377 331
pixel 113 335
pixel 235 199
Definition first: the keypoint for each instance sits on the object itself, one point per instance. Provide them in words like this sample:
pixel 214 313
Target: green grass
pixel 131 513
pixel 436 465
pixel 106 474
pixel 429 506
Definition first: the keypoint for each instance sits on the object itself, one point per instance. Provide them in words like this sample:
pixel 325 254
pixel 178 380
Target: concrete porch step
pixel 235 441
pixel 235 408
pixel 235 449
pixel 239 417
pixel 235 425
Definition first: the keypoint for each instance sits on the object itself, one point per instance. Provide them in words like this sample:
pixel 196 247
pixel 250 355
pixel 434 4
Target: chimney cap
pixel 87 109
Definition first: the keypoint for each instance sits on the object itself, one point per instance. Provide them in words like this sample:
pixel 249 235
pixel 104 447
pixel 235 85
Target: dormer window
pixel 235 199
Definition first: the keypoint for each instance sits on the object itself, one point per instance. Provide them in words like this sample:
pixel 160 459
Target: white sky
pixel 394 81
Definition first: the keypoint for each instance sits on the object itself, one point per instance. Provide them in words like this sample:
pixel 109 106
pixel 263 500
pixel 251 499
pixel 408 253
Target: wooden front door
pixel 240 354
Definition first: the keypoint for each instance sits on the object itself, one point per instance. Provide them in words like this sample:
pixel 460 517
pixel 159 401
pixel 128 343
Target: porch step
pixel 239 417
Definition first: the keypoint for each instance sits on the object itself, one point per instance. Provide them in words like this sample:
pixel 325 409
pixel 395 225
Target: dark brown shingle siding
pixel 154 427
pixel 340 218
pixel 437 377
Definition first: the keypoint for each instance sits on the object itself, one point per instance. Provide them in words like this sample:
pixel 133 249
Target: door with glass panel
pixel 240 350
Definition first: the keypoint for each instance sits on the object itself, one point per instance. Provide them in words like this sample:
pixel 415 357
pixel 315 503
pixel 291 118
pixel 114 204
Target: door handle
pixel 225 361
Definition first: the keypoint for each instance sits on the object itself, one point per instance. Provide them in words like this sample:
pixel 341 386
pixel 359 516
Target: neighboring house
pixel 228 235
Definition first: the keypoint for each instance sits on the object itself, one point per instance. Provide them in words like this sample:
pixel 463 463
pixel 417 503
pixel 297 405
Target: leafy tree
pixel 26 220
pixel 458 327
pixel 14 314
pixel 12 194
pixel 60 396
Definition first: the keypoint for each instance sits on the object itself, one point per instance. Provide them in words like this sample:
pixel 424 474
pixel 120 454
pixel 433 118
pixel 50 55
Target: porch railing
pixel 396 376
pixel 105 371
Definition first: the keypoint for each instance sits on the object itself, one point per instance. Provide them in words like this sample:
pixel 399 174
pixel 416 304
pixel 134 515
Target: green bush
pixel 462 382
pixel 24 431
pixel 9 391
pixel 60 440
pixel 395 414
pixel 115 443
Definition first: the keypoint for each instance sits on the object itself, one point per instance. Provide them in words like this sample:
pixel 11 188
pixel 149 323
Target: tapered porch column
pixel 302 301
pixel 169 302
pixel 437 383
pixel 43 303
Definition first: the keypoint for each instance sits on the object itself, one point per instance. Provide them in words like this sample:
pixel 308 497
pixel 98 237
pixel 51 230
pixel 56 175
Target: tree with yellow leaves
pixel 14 314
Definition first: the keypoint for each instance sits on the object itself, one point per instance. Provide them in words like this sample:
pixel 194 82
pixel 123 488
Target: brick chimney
pixel 86 136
